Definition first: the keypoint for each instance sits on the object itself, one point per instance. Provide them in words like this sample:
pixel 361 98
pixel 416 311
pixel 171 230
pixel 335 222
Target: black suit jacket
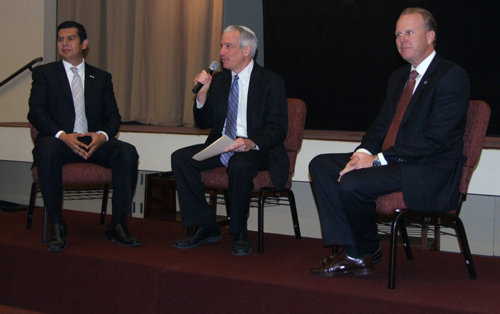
pixel 429 144
pixel 51 107
pixel 267 116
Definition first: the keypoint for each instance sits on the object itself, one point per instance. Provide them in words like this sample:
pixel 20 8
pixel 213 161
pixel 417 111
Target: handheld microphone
pixel 211 69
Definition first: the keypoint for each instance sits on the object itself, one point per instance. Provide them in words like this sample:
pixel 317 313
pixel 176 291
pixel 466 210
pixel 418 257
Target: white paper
pixel 216 148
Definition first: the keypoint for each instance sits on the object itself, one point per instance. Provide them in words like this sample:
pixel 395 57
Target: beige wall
pixel 23 28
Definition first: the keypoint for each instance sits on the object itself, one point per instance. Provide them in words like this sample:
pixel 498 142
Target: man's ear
pixel 85 43
pixel 430 36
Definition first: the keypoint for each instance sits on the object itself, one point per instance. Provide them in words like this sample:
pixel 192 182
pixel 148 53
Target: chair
pixel 74 174
pixel 478 117
pixel 217 179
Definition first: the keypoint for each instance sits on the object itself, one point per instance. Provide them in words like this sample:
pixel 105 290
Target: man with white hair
pixel 248 103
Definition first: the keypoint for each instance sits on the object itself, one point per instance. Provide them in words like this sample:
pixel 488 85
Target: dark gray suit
pixel 267 124
pixel 52 110
pixel 425 162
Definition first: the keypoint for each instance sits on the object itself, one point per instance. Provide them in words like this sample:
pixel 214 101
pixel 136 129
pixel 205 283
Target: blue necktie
pixel 232 116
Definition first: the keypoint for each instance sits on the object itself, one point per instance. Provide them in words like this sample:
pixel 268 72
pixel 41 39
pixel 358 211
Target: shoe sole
pixel 111 239
pixel 207 240
pixel 59 250
pixel 359 272
pixel 375 261
pixel 243 253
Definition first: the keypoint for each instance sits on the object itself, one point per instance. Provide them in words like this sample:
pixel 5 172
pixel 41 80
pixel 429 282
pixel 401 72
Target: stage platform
pixel 95 276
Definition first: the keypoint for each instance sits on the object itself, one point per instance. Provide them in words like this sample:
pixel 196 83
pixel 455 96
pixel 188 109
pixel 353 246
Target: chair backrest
pixel 217 178
pixel 296 122
pixel 478 117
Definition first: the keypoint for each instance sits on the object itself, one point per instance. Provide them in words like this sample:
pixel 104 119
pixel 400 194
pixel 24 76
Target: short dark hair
pixel 82 33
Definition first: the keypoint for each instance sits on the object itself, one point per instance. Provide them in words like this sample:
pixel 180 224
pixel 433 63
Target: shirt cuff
pixel 102 132
pixel 59 133
pixel 383 162
pixel 381 157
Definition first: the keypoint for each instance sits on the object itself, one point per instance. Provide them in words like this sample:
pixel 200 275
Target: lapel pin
pixel 94 77
pixel 425 82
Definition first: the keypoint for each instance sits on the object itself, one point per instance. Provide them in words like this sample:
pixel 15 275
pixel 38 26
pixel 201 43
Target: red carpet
pixel 95 276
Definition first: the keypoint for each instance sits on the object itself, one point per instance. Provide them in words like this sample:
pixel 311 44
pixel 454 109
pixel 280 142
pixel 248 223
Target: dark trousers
pixel 347 208
pixel 242 169
pixel 51 153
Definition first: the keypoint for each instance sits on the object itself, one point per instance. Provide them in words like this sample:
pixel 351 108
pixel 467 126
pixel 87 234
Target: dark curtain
pixel 337 55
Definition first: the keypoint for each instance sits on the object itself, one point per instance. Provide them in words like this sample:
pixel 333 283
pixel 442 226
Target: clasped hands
pixel 358 160
pixel 79 148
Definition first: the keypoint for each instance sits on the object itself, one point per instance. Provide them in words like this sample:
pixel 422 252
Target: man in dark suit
pixel 73 106
pixel 260 123
pixel 421 155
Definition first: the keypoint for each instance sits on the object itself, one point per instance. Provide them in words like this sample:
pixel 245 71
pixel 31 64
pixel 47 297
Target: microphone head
pixel 214 65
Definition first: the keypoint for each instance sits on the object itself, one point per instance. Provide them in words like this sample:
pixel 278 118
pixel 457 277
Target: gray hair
pixel 247 37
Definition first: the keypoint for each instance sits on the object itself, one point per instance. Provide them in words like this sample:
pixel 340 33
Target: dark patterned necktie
pixel 390 138
pixel 232 116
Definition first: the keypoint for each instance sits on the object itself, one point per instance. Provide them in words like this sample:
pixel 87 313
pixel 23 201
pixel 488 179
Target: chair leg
pixel 437 235
pixel 260 219
pixel 31 204
pixel 104 205
pixel 295 218
pixel 393 249
pixel 228 206
pixel 465 247
pixel 406 240
pixel 45 225
pixel 213 202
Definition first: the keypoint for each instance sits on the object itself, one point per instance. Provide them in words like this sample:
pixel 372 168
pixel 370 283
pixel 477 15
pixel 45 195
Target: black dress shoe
pixel 241 244
pixel 199 236
pixel 119 233
pixel 345 265
pixel 57 240
pixel 376 257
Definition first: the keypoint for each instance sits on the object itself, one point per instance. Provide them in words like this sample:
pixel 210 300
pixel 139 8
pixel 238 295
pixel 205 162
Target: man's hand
pixel 241 145
pixel 97 141
pixel 358 161
pixel 206 79
pixel 76 146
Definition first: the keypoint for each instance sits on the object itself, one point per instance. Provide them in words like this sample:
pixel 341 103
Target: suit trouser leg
pixel 347 209
pixel 242 169
pixel 50 154
pixel 122 158
pixel 194 207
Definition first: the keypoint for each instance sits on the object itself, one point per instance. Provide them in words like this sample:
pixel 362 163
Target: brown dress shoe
pixel 344 265
pixel 376 257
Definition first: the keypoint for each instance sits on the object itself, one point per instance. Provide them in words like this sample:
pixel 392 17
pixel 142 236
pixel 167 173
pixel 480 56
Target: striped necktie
pixel 232 116
pixel 79 102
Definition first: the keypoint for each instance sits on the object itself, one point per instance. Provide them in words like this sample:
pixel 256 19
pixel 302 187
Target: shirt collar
pixel 80 67
pixel 422 67
pixel 244 75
